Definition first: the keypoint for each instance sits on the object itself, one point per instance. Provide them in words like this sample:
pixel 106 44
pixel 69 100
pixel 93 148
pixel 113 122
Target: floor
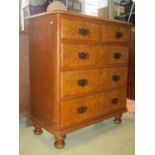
pixel 104 138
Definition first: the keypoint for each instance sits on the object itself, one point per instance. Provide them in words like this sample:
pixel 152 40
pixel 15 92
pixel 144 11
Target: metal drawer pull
pixel 116 78
pixel 83 55
pixel 115 101
pixel 117 55
pixel 83 31
pixel 82 82
pixel 118 34
pixel 82 109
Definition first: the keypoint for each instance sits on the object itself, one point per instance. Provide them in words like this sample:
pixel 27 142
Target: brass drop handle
pixel 83 55
pixel 115 77
pixel 82 109
pixel 117 55
pixel 118 34
pixel 115 101
pixel 82 82
pixel 83 31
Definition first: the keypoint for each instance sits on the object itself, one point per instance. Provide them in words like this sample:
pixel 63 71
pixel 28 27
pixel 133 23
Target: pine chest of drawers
pixel 78 71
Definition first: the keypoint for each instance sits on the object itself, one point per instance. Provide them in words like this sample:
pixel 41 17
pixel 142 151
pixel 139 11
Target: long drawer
pixel 76 29
pixel 78 82
pixel 77 110
pixel 85 55
pixel 115 33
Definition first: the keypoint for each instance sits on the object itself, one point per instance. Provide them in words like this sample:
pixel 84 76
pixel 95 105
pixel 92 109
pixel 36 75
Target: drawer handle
pixel 82 82
pixel 82 109
pixel 116 78
pixel 83 55
pixel 83 31
pixel 118 34
pixel 115 101
pixel 117 55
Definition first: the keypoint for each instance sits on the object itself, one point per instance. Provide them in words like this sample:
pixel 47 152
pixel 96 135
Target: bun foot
pixel 117 119
pixel 59 141
pixel 37 130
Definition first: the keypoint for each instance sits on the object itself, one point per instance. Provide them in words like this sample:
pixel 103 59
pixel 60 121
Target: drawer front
pixel 85 55
pixel 77 110
pixel 113 33
pixel 79 30
pixel 85 81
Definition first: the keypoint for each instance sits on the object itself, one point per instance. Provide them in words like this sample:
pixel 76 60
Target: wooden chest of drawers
pixel 78 71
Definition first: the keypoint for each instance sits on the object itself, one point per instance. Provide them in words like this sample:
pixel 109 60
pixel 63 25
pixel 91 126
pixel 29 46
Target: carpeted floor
pixel 104 138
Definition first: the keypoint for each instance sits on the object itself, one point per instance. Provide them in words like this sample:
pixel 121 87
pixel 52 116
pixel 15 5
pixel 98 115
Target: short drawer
pixel 85 108
pixel 79 82
pixel 114 33
pixel 86 55
pixel 79 30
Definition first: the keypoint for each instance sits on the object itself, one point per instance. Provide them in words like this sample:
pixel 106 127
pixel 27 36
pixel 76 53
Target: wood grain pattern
pixel 43 70
pixel 97 105
pixel 97 80
pixel 109 33
pixel 70 29
pixel 96 55
pixel 68 93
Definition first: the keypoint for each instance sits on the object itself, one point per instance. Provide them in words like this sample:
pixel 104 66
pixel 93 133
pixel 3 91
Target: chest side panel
pixel 44 73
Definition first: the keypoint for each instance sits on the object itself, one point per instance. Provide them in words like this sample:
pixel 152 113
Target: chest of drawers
pixel 78 71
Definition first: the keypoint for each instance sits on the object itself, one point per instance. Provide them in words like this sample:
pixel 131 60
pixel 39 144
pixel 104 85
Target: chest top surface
pixel 80 15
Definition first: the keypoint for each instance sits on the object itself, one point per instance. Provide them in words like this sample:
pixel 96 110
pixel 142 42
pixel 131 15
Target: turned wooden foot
pixel 117 119
pixel 37 130
pixel 59 141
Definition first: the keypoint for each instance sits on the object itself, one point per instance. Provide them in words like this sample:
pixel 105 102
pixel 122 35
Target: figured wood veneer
pixel 78 71
pixel 97 55
pixel 98 80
